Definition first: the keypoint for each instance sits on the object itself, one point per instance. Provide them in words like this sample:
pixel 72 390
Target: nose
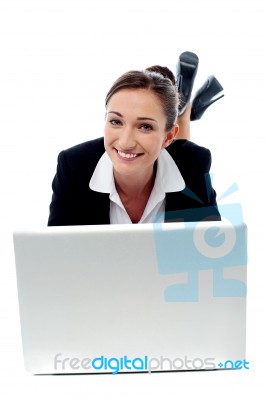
pixel 127 139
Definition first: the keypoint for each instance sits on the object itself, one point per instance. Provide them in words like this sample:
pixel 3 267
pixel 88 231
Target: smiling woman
pixel 134 138
pixel 138 172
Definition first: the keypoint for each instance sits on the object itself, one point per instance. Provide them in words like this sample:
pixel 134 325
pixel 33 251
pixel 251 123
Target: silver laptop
pixel 132 298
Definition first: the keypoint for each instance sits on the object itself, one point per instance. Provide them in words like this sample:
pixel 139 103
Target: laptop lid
pixel 131 298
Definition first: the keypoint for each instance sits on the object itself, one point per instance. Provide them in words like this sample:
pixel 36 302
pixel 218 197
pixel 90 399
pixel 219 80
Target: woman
pixel 138 172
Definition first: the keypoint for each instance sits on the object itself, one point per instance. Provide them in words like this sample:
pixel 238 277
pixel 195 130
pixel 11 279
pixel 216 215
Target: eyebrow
pixel 139 118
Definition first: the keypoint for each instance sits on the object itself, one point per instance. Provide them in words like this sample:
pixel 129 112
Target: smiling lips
pixel 127 156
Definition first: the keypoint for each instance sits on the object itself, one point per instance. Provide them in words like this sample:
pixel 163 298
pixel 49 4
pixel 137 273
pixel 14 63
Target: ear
pixel 171 136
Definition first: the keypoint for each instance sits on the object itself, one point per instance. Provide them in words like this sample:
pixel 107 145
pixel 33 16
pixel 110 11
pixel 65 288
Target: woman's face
pixel 134 132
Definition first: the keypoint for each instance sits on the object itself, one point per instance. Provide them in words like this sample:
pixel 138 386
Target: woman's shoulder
pixel 187 147
pixel 91 146
pixel 87 152
pixel 189 154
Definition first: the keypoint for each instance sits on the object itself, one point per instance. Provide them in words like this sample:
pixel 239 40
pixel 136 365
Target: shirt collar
pixel 168 177
pixel 102 179
pixel 168 174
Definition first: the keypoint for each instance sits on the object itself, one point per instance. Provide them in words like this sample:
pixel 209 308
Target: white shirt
pixel 168 179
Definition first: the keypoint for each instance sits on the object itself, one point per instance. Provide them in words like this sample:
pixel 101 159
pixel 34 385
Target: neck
pixel 135 187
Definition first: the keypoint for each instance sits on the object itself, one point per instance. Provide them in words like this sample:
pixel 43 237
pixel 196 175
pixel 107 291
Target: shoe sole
pixel 186 71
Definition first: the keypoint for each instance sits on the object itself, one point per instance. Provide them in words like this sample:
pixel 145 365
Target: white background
pixel 57 61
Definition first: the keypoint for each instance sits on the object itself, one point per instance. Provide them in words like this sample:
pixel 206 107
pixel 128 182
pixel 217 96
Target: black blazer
pixel 74 203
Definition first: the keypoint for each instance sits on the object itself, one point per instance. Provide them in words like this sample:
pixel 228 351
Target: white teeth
pixel 126 155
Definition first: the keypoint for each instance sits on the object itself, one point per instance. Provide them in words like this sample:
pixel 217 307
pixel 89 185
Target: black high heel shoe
pixel 186 71
pixel 205 97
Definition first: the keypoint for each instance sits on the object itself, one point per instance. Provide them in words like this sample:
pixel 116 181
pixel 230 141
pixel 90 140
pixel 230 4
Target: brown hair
pixel 159 80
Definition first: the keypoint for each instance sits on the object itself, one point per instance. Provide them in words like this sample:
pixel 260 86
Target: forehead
pixel 136 101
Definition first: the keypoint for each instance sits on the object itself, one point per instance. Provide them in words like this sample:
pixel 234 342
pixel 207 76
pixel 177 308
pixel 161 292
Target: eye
pixel 115 122
pixel 146 127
